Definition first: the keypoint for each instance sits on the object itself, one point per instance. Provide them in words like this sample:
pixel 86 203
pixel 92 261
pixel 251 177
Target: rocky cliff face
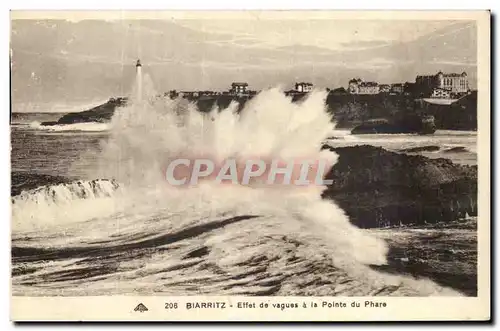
pixel 351 110
pixel 379 188
pixel 348 110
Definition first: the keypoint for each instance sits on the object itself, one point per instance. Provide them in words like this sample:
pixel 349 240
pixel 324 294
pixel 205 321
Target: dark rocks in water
pixel 458 149
pixel 406 124
pixel 421 149
pixel 379 188
pixel 99 114
pixel 49 123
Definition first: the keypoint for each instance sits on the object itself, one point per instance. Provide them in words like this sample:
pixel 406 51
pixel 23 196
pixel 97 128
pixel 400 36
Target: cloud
pixel 236 41
pixel 454 63
pixel 67 55
pixel 313 50
pixel 364 44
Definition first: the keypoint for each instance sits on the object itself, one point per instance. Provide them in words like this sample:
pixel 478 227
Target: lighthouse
pixel 138 80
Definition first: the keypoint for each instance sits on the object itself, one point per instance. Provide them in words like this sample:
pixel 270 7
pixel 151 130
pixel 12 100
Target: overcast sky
pixel 71 60
pixel 330 34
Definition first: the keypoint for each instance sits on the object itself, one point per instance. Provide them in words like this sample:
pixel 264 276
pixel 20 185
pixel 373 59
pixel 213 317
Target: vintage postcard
pixel 250 165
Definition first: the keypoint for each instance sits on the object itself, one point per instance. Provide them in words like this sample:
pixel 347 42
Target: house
pixel 303 87
pixel 369 88
pixel 353 86
pixel 384 88
pixel 455 83
pixel 397 88
pixel 357 86
pixel 441 93
pixel 237 88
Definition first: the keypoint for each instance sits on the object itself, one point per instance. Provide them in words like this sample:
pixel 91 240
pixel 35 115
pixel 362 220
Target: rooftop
pixel 451 74
pixel 369 84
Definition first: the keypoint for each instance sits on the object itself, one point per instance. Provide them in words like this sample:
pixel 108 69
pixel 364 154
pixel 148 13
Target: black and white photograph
pixel 245 154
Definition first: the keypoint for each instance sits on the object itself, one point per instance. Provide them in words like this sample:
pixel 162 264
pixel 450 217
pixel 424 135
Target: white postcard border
pixel 114 308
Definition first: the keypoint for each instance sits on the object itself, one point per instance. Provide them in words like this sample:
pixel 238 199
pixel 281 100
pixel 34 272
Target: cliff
pixel 352 110
pixel 348 110
pixel 460 115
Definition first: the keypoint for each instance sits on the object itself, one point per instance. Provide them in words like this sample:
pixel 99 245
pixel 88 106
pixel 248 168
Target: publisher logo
pixel 141 308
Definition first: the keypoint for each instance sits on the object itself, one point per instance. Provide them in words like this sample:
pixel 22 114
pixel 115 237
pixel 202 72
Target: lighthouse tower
pixel 138 81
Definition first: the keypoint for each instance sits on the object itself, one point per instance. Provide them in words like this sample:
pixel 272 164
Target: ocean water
pixel 136 235
pixel 458 146
pixel 57 150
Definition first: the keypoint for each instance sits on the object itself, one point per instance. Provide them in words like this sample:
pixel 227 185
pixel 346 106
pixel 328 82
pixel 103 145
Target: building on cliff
pixel 238 88
pixel 353 86
pixel 303 87
pixel 369 88
pixel 410 88
pixel 397 88
pixel 440 93
pixel 384 88
pixel 357 86
pixel 434 85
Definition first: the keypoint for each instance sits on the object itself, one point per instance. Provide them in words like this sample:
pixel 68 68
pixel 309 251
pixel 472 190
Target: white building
pixel 303 87
pixel 453 82
pixel 237 88
pixel 369 88
pixel 441 93
pixel 357 86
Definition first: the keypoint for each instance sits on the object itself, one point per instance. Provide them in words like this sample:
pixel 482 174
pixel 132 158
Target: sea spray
pixel 147 135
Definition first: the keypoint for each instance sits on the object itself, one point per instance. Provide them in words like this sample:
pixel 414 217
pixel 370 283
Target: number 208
pixel 171 305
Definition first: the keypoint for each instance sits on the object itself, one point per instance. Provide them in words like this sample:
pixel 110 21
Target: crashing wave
pixel 66 193
pixel 60 204
pixel 84 127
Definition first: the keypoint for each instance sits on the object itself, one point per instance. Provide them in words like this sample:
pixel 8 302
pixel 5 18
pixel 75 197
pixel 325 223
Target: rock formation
pixel 378 188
